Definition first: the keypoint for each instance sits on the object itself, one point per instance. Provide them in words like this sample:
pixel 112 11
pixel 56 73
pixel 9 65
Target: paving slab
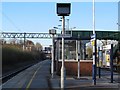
pixel 85 82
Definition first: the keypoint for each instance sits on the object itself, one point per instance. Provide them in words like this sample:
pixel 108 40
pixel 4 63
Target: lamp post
pixel 67 20
pixel 94 46
pixel 67 24
pixel 58 46
pixel 63 9
pixel 118 35
pixel 57 28
pixel 119 25
pixel 53 32
pixel 71 30
pixel 78 55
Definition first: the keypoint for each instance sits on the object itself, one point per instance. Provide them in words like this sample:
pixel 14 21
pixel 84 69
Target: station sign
pixel 65 36
pixel 93 36
pixel 107 46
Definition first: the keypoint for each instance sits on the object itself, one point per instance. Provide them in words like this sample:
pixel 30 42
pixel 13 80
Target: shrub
pixel 14 55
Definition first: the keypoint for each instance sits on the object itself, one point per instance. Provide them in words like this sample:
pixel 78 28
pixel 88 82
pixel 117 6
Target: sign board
pixel 107 47
pixel 93 42
pixel 65 36
pixel 93 36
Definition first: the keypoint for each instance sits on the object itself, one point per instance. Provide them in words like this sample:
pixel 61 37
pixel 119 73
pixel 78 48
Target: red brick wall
pixel 71 68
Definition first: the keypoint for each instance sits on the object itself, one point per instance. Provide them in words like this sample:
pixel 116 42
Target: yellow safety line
pixel 32 79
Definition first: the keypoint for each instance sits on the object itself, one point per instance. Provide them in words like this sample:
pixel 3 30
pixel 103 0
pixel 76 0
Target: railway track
pixel 5 78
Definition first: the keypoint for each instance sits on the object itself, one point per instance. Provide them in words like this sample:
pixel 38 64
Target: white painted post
pixel 94 46
pixel 76 50
pixel 52 68
pixel 63 68
pixel 78 59
pixel 59 51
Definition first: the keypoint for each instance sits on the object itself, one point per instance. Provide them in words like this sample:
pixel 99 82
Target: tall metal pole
pixel 119 26
pixel 68 52
pixel 94 46
pixel 67 24
pixel 79 59
pixel 63 68
pixel 85 51
pixel 111 62
pixel 52 68
pixel 99 61
pixel 76 50
pixel 59 54
pixel 71 32
pixel 24 46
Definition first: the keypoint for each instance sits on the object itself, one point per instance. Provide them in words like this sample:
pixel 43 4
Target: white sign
pixel 107 47
pixel 65 36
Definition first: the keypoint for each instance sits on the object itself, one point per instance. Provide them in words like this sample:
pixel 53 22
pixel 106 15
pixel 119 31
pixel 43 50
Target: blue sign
pixel 93 36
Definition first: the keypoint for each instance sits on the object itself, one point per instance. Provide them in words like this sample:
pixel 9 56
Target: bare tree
pixel 38 46
pixel 2 41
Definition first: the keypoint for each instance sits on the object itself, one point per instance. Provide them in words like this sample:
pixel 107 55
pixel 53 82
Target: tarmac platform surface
pixel 38 77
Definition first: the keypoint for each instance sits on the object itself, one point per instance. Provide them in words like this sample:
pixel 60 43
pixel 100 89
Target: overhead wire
pixel 11 21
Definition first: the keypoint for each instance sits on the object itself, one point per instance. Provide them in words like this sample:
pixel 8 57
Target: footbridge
pixel 75 34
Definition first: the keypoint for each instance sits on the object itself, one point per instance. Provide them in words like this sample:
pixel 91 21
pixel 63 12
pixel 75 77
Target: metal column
pixel 52 66
pixel 24 46
pixel 111 62
pixel 63 68
pixel 94 46
pixel 78 55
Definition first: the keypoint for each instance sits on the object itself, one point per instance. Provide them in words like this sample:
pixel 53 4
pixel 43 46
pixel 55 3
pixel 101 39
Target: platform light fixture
pixel 63 9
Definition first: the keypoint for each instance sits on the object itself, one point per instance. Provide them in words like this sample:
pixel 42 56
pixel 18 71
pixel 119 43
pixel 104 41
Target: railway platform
pixel 34 77
pixel 38 77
